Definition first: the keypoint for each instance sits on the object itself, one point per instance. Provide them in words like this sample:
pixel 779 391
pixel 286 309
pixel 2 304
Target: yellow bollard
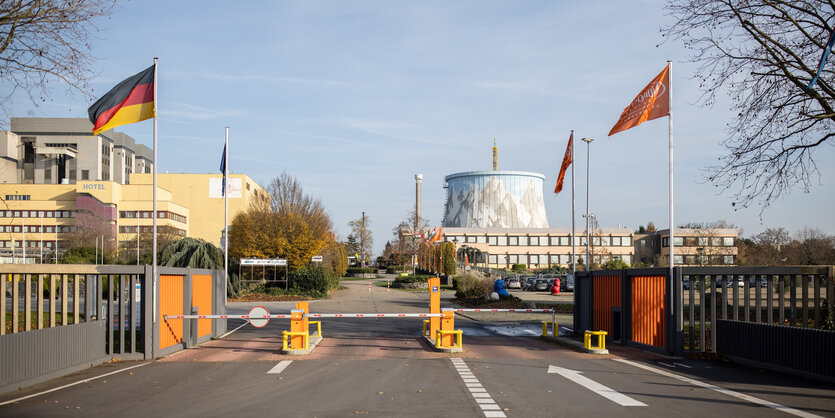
pixel 447 326
pixel 601 339
pixel 434 304
pixel 545 328
pixel 298 330
pixel 425 324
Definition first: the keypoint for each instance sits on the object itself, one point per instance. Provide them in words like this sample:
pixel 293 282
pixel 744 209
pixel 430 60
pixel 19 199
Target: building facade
pixel 64 151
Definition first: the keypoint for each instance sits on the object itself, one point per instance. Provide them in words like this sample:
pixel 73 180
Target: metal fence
pixel 58 318
pixel 641 304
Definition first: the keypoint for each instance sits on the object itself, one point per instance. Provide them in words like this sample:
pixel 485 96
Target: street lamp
pixel 455 251
pixel 588 159
pixel 701 251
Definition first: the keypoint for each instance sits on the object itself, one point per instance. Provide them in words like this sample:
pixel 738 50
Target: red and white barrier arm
pixel 271 316
pixel 374 315
pixel 505 310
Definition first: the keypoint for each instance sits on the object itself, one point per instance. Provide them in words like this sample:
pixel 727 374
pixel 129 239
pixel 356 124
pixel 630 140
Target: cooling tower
pixel 495 199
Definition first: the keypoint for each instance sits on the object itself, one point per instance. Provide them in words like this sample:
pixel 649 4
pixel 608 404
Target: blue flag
pixel 826 51
pixel 223 171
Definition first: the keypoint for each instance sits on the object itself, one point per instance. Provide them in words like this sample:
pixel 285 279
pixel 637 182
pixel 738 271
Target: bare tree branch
pixel 44 40
pixel 762 53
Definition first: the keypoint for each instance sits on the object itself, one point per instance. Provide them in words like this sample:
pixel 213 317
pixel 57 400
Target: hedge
pixel 361 270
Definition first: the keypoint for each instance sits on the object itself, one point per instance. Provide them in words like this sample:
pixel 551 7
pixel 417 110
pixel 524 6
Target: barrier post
pixel 447 324
pixel 298 324
pixel 305 307
pixel 434 304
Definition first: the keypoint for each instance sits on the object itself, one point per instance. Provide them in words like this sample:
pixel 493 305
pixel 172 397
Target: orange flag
pixel 652 103
pixel 566 161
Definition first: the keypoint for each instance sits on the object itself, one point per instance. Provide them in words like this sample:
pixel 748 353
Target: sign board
pixel 263 262
pixel 259 311
pixel 316 259
pixel 435 289
pixel 233 186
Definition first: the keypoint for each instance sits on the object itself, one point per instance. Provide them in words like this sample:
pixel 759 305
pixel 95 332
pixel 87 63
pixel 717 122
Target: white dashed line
pixel 719 389
pixel 280 367
pixel 482 398
pixel 683 365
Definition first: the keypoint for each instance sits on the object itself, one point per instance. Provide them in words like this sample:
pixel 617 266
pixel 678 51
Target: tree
pixel 191 252
pixel 43 41
pixel 293 226
pixel 763 53
pixel 651 227
pixel 360 228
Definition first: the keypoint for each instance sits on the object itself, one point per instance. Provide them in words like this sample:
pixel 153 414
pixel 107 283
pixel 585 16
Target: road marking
pixel 71 384
pixel 242 325
pixel 683 365
pixel 595 387
pixel 667 365
pixel 280 367
pixel 482 398
pixel 728 392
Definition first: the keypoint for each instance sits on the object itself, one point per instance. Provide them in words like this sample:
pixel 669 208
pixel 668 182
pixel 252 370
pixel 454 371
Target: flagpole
pixel 154 215
pixel 672 225
pixel 225 212
pixel 573 254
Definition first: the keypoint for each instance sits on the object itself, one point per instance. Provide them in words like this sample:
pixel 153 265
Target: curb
pixel 574 345
pixel 302 352
pixel 431 343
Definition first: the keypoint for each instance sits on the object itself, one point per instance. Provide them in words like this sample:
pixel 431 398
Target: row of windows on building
pixel 146 214
pixel 705 260
pixel 29 244
pixel 546 259
pixel 699 241
pixel 31 229
pixel 543 241
pixel 149 230
pixel 37 213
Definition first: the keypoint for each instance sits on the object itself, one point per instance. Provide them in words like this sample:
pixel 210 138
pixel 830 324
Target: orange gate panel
pixel 606 296
pixel 648 310
pixel 201 296
pixel 170 303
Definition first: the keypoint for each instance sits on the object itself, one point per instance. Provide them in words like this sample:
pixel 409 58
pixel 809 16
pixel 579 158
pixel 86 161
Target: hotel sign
pixel 233 187
pixel 263 262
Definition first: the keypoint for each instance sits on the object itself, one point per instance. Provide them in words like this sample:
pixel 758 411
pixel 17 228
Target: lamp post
pixel 588 159
pixel 455 251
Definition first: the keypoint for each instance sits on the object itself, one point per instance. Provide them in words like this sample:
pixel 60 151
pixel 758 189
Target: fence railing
pixel 92 313
pixel 784 296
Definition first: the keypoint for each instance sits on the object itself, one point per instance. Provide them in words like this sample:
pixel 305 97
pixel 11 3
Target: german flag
pixel 130 101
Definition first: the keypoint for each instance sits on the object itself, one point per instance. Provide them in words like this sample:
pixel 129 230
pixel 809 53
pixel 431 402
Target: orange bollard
pixel 434 305
pixel 448 324
pixel 298 323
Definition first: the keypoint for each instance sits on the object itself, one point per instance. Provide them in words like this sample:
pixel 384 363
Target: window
pixel 689 241
pixel 41 214
pixel 627 258
pixel 565 241
pixel 469 239
pixel 49 214
pixel 678 259
pixel 626 241
pixel 533 259
pixel 533 241
pixel 58 213
pixel 492 259
pixel 665 242
pixel 690 259
pixel 729 259
pixel 49 229
pixel 502 240
pixel 512 240
pixel 729 242
pixel 715 242
pixel 679 241
pixel 513 259
pixel 554 240
pixel 481 239
pixel 523 241
pixel 47 174
pixel 604 241
pixel 85 174
pixel 616 241
pixel 17 214
pixel 595 241
pixel 18 197
pixel 555 259
pixel 491 241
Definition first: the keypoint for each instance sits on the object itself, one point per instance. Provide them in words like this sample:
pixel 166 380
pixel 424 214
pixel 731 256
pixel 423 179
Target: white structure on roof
pixel 495 199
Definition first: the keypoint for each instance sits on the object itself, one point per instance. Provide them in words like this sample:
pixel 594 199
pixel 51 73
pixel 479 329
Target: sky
pixel 355 98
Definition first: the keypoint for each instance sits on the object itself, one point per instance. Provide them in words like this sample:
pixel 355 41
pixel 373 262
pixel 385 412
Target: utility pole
pixel 362 239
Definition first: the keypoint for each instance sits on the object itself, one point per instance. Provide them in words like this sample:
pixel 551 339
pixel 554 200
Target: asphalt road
pixel 381 367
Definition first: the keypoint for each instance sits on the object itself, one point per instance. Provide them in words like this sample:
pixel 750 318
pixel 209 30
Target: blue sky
pixel 354 98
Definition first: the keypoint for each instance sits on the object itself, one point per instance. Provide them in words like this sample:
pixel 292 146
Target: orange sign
pixel 652 103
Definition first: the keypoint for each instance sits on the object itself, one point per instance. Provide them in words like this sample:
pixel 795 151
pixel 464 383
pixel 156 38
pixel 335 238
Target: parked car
pixel 541 285
pixel 514 283
pixel 567 283
pixel 528 283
